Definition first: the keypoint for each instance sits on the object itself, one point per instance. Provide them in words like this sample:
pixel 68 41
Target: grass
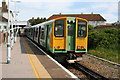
pixel 109 54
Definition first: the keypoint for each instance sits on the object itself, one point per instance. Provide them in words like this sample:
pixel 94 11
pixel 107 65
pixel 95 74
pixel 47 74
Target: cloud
pixel 106 7
pixel 46 9
pixel 108 10
pixel 110 17
pixel 69 0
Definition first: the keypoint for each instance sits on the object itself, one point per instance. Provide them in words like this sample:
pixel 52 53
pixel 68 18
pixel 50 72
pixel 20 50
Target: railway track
pixel 91 75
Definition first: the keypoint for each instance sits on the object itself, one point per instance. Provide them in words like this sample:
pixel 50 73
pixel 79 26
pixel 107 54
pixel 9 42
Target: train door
pixel 39 34
pixel 47 27
pixel 70 35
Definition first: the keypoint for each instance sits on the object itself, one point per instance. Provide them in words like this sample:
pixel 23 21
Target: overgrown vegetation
pixel 36 21
pixel 104 43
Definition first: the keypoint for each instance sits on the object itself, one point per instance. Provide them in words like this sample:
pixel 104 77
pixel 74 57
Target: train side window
pixel 59 28
pixel 36 32
pixel 39 30
pixel 42 33
pixel 31 31
pixel 48 29
pixel 82 26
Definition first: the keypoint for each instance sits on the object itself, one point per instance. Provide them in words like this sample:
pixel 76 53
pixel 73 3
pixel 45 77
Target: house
pixel 4 21
pixel 93 19
pixel 112 25
pixel 4 16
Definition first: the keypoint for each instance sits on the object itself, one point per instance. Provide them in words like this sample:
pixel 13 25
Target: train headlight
pixel 78 47
pixel 57 47
pixel 81 47
pixel 84 47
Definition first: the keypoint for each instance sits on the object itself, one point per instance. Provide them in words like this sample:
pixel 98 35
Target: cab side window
pixel 59 28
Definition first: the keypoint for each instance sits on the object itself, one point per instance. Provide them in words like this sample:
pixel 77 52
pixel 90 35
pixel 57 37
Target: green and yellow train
pixel 65 37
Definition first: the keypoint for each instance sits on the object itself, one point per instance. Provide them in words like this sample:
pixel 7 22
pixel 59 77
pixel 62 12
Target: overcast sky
pixel 45 8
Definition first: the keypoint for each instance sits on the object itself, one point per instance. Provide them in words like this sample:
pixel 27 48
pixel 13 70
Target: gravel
pixel 104 68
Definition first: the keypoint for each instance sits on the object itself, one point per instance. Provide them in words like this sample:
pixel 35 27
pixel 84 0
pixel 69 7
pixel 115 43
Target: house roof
pixel 3 19
pixel 89 17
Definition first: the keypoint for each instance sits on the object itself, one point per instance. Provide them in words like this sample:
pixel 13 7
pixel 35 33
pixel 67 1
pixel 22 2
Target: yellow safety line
pixel 33 67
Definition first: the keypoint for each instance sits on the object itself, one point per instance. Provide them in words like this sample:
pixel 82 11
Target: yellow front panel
pixel 59 42
pixel 81 42
pixel 56 42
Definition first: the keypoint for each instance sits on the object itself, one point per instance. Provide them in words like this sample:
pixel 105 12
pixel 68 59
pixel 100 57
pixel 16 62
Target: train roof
pixel 40 24
pixel 44 23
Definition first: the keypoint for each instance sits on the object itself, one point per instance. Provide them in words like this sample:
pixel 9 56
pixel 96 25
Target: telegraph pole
pixel 8 31
pixel 12 35
pixel 15 22
pixel 15 39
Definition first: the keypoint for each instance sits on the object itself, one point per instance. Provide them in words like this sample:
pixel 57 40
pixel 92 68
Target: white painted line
pixel 71 74
pixel 104 60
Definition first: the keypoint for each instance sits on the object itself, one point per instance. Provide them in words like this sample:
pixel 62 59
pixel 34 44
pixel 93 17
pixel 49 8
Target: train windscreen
pixel 59 28
pixel 82 28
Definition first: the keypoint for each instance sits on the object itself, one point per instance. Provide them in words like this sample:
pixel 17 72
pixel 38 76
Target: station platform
pixel 29 62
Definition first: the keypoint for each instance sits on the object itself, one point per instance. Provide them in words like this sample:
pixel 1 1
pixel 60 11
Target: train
pixel 64 37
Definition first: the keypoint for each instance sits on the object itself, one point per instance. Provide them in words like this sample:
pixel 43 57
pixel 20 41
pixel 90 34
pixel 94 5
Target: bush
pixel 103 38
pixel 105 43
pixel 90 27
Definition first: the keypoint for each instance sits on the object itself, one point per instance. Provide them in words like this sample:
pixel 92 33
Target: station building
pixel 4 21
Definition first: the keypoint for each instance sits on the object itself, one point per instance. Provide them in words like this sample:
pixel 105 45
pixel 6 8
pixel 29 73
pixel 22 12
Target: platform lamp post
pixel 8 31
pixel 12 34
pixel 15 22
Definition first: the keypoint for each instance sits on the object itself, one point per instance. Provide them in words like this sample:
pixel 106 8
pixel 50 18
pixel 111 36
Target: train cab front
pixel 70 37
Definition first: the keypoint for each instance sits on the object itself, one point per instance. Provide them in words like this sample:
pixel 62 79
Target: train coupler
pixel 72 58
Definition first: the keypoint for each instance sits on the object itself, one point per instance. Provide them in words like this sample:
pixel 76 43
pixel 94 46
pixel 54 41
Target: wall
pixel 5 14
pixel 96 23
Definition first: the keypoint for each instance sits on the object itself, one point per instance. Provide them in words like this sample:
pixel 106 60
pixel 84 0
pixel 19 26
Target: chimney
pixel 60 13
pixel 4 6
pixel 32 18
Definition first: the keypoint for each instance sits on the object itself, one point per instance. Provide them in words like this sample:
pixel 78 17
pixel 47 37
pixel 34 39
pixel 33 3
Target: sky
pixel 46 8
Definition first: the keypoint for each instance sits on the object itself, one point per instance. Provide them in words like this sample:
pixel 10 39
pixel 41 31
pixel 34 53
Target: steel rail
pixel 90 73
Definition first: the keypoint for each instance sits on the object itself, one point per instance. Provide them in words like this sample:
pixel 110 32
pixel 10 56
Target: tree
pixel 37 21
